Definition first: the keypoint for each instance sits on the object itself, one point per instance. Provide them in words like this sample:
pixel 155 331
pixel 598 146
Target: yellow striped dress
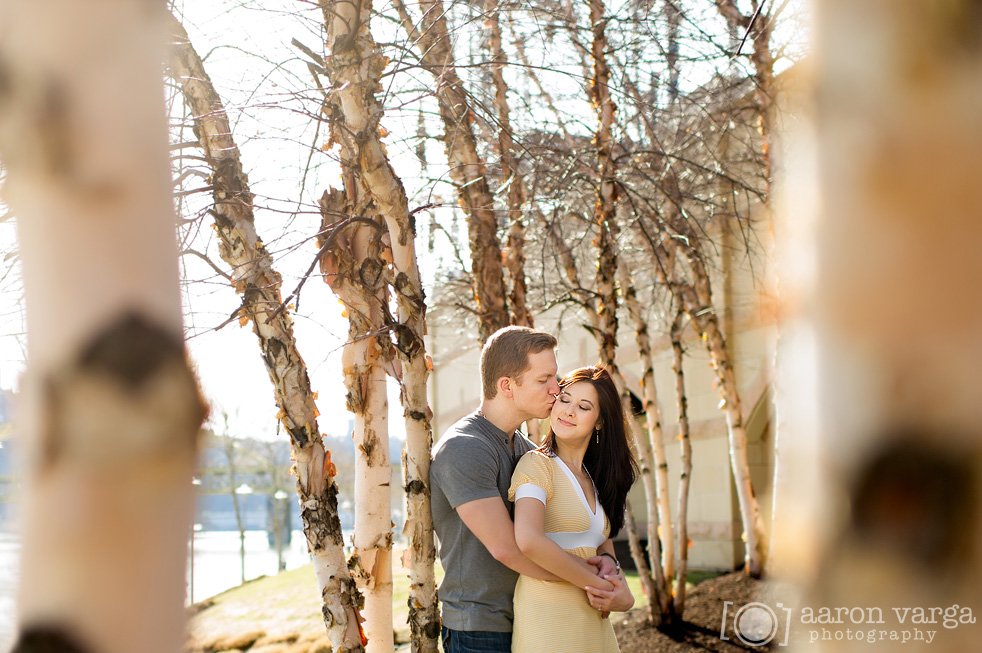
pixel 555 616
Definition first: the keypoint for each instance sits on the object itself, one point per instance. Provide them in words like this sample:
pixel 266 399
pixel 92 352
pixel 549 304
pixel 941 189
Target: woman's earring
pixel 597 430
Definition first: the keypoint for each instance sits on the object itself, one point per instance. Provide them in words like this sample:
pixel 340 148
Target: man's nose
pixel 554 388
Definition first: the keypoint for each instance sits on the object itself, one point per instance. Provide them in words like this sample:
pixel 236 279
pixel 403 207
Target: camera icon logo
pixel 755 624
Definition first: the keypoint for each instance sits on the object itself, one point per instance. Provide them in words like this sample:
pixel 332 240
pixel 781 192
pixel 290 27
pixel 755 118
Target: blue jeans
pixel 475 641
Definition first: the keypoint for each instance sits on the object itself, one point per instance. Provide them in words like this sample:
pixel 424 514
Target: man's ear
pixel 506 386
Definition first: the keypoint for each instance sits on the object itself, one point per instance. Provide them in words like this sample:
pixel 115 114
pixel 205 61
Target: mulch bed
pixel 700 630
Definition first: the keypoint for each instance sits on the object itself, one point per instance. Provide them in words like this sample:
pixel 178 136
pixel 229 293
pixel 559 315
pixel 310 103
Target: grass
pixel 285 608
pixel 282 607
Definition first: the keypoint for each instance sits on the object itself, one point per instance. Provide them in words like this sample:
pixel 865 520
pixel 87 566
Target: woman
pixel 569 496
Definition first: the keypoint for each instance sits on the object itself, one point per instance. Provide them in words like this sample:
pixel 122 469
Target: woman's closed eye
pixel 584 407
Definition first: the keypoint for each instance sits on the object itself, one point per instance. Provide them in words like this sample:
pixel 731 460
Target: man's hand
pixel 618 599
pixel 605 565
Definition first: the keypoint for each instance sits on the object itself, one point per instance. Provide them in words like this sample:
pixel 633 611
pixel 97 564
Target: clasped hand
pixel 618 599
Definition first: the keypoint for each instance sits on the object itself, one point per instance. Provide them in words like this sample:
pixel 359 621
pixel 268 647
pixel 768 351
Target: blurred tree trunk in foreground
pixel 112 410
pixel 256 279
pixel 897 236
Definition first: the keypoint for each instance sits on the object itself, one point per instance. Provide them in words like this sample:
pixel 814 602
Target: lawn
pixel 272 613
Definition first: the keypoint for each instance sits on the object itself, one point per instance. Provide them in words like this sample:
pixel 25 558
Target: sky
pixel 247 49
pixel 238 47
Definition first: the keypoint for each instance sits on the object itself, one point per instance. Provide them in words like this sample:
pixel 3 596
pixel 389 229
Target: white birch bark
pixel 605 217
pixel 364 376
pixel 685 474
pixel 352 266
pixel 355 71
pixel 699 306
pixel 652 413
pixel 256 279
pixel 112 411
pixel 696 298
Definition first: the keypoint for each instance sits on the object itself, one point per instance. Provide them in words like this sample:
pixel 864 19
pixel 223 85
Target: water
pixel 217 567
pixel 9 573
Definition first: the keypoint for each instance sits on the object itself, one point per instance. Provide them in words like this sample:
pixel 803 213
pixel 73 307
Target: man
pixel 470 475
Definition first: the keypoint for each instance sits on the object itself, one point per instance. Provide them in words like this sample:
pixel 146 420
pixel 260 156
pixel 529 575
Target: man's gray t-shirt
pixel 473 460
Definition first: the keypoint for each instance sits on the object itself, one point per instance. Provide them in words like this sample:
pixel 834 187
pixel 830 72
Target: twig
pixel 207 260
pixel 750 26
pixel 332 236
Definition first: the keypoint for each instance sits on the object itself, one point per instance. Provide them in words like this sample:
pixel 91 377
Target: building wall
pixel 747 307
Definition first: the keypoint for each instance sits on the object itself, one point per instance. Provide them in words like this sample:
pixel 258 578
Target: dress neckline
pixel 579 489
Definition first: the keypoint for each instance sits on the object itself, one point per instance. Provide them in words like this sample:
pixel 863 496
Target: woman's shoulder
pixel 535 467
pixel 536 457
pixel 535 461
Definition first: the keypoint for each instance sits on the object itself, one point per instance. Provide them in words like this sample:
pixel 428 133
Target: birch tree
pixel 513 180
pixel 467 168
pixel 696 297
pixel 355 70
pixel 757 26
pixel 353 267
pixel 112 411
pixel 685 446
pixel 605 217
pixel 256 279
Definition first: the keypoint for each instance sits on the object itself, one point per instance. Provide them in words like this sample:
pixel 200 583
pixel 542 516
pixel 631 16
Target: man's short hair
pixel 506 353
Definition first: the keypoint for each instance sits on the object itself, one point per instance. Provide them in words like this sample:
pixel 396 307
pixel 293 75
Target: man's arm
pixel 488 519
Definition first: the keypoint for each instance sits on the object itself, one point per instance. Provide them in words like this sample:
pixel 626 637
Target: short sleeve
pixel 466 470
pixel 534 468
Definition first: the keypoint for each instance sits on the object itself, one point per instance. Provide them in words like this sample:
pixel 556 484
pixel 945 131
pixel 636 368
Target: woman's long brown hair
pixel 610 462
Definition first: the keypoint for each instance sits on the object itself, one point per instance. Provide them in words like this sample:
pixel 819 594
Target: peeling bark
pixel 358 279
pixel 513 179
pixel 355 71
pixel 467 168
pixel 254 277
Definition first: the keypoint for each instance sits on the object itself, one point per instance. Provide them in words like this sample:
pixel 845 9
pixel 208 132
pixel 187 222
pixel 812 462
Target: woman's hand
pixel 618 599
pixel 606 566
